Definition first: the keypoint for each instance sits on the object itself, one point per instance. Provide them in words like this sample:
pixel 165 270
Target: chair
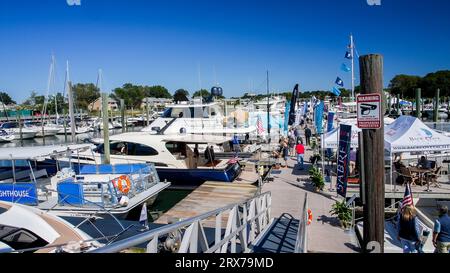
pixel 408 176
pixel 432 178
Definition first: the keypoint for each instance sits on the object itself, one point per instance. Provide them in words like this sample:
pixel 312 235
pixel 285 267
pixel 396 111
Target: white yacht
pixel 28 229
pixel 172 155
pixel 6 137
pixel 47 130
pixel 14 129
pixel 196 118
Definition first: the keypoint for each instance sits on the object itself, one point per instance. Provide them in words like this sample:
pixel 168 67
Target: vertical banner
pixel 343 159
pixel 330 121
pixel 287 114
pixel 319 117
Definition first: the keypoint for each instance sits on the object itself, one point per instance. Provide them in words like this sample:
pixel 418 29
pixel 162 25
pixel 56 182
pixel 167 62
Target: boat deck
pixel 211 196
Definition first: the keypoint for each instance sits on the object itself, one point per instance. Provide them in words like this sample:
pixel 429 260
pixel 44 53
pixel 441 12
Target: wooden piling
pixel 436 106
pixel 71 112
pixel 106 158
pixel 371 73
pixel 122 115
pixel 418 103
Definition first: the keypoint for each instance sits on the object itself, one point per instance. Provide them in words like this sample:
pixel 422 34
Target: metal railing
pixel 301 244
pixel 246 222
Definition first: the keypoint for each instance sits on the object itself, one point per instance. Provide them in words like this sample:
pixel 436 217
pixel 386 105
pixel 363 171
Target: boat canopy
pixel 36 153
pixel 409 134
pixel 199 139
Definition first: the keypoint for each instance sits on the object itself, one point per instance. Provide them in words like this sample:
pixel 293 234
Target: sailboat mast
pixel 268 109
pixel 353 66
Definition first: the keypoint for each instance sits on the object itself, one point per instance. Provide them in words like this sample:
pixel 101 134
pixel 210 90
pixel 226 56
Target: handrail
pixel 302 233
pixel 253 214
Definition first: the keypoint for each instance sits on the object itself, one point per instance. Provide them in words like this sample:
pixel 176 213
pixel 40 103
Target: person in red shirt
pixel 300 149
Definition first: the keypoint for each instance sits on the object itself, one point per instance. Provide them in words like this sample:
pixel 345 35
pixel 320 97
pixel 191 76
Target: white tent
pixel 330 139
pixel 409 134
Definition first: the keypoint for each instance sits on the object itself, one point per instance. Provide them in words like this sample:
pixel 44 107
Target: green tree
pixel 131 94
pixel 35 101
pixel 202 93
pixel 404 85
pixel 156 91
pixel 61 104
pixel 6 99
pixel 433 81
pixel 84 94
pixel 181 95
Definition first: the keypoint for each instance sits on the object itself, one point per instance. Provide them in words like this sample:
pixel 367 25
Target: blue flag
pixel 339 82
pixel 345 68
pixel 319 117
pixel 348 55
pixel 336 91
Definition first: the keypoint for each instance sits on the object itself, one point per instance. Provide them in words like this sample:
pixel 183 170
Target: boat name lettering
pixel 9 193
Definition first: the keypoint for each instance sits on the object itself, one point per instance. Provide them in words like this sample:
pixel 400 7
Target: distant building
pixel 97 105
pixel 156 102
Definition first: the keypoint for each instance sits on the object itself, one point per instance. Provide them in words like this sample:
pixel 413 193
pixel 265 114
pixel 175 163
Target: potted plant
pixel 343 212
pixel 317 178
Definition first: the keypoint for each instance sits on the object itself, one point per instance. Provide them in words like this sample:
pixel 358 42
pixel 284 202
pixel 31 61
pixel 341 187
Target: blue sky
pixel 235 42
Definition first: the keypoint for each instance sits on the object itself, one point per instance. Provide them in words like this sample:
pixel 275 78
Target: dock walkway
pixel 324 233
pixel 211 196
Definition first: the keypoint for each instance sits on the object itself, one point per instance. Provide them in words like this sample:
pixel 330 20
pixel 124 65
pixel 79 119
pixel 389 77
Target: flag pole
pixel 353 67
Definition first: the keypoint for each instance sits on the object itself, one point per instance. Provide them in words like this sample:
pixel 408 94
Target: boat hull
pixel 196 177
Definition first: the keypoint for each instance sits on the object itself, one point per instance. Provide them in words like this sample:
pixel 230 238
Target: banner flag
pixel 330 121
pixel 343 168
pixel 319 117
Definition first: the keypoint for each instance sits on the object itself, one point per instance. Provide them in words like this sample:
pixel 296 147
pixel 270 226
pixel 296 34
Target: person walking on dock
pixel 409 229
pixel 300 149
pixel 285 153
pixel 441 234
pixel 308 134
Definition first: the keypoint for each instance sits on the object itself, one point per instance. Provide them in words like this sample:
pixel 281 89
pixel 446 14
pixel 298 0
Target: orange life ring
pixel 310 217
pixel 122 183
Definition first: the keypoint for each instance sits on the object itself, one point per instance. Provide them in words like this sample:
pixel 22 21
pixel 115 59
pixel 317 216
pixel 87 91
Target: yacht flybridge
pixel 195 118
pixel 35 176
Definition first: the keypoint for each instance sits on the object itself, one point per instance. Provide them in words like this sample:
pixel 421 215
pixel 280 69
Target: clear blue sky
pixel 169 42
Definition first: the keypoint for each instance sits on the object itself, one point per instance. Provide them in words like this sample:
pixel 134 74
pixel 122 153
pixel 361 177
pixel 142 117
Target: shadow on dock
pixel 281 236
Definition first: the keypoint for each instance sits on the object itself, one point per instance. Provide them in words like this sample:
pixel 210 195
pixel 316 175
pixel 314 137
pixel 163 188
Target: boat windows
pixel 20 238
pixel 128 148
pixel 176 148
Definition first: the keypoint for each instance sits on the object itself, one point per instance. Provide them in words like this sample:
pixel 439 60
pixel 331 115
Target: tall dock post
pixel 106 159
pixel 71 113
pixel 122 115
pixel 418 103
pixel 371 73
pixel 436 106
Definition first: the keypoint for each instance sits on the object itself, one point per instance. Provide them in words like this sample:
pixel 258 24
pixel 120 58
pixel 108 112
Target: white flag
pixel 143 218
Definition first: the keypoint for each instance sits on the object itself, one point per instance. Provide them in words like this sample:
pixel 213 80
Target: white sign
pixel 369 111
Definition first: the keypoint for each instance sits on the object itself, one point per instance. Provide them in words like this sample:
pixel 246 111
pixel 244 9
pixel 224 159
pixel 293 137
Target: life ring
pixel 122 183
pixel 310 217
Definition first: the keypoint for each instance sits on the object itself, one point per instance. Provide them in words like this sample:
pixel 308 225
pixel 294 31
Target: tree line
pixel 133 95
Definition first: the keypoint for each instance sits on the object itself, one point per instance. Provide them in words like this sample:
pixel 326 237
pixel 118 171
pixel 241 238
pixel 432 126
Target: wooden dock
pixel 213 195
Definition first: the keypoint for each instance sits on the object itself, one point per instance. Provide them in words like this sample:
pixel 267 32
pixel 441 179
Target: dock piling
pixel 371 73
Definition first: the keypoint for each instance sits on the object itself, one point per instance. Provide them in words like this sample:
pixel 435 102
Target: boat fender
pixel 310 217
pixel 124 200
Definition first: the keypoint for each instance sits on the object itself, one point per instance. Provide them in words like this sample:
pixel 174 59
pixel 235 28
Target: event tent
pixel 331 138
pixel 409 134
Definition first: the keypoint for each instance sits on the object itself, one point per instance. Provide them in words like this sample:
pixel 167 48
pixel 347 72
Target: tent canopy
pixel 409 134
